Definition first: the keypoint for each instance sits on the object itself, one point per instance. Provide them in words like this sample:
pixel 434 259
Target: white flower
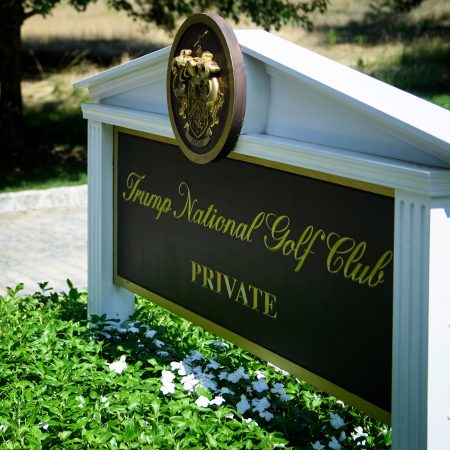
pixel 162 353
pixel 118 366
pixel 133 330
pixel 223 375
pixel 249 420
pixel 167 376
pixel 217 400
pixel 266 415
pixel 336 421
pixel 183 368
pixel 213 365
pixel 259 374
pixel 342 437
pixel 197 370
pixel 202 401
pixel 158 343
pixel 318 446
pixel 189 382
pixel 237 375
pixel 150 333
pixel 277 388
pixel 359 433
pixel 104 400
pixel 243 404
pixel 334 444
pixel 260 385
pixel 225 390
pixel 228 416
pixel 195 356
pixel 260 404
pixel 167 388
pixel 220 344
pixel 43 425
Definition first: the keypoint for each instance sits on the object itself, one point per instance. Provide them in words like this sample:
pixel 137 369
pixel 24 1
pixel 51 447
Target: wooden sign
pixel 294 266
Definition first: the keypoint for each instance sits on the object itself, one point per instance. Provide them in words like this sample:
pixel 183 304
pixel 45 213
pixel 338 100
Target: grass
pixel 410 51
pixel 59 388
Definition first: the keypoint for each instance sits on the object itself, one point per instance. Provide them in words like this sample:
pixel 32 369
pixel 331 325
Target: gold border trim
pixel 252 347
pixel 259 351
pixel 335 179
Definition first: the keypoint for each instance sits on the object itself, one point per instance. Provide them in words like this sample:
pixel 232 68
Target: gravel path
pixel 44 245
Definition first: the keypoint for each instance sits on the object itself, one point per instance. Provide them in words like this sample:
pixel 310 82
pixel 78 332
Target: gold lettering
pixel 238 291
pixel 241 294
pixel 278 232
pixel 256 291
pixel 133 181
pixel 183 189
pixel 269 305
pixel 307 251
pixel 228 286
pixel 383 262
pixel 256 223
pixel 208 276
pixel 196 270
pixel 334 266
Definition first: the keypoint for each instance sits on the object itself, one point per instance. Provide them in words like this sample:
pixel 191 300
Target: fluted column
pixel 421 370
pixel 103 296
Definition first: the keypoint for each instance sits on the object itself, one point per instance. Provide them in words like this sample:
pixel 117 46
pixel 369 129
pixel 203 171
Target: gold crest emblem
pixel 197 89
pixel 206 88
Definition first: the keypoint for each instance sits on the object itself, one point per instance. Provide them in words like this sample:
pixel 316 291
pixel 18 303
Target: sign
pixel 206 87
pixel 294 266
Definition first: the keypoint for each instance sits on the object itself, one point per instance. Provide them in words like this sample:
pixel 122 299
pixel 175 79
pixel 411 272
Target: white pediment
pixel 295 94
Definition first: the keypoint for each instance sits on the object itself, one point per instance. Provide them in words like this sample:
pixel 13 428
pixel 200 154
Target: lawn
pixel 411 51
pixel 155 382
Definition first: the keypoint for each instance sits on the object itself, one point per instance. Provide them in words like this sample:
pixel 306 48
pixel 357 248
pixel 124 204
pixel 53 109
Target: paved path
pixel 44 245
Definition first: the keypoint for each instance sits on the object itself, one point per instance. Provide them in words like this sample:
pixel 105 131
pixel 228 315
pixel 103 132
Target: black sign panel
pixel 299 266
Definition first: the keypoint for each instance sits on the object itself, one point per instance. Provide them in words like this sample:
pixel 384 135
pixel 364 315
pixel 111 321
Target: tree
pixel 13 13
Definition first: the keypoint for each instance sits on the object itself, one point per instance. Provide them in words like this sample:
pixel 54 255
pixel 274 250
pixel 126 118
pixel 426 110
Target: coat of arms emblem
pixel 197 88
pixel 206 88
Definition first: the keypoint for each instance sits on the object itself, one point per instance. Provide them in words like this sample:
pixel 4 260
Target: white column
pixel 421 339
pixel 103 296
pixel 439 327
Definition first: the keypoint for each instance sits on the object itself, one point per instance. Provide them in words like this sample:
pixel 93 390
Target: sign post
pixel 291 205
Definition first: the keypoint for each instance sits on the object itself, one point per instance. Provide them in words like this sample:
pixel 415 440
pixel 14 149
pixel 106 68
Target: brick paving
pixel 44 245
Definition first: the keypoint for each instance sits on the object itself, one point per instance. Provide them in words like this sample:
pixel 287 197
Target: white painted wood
pixel 127 76
pixel 308 97
pixel 307 113
pixel 421 342
pixel 257 97
pixel 341 162
pixel 129 118
pixel 439 327
pixel 394 108
pixel 410 322
pixel 103 296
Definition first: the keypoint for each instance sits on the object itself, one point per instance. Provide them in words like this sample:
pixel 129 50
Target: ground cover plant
pixel 155 382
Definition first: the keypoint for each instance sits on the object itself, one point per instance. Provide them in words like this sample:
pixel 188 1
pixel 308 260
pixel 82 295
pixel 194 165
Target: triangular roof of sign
pixel 297 94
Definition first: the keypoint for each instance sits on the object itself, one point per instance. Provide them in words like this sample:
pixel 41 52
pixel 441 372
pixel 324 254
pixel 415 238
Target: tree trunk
pixel 11 114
